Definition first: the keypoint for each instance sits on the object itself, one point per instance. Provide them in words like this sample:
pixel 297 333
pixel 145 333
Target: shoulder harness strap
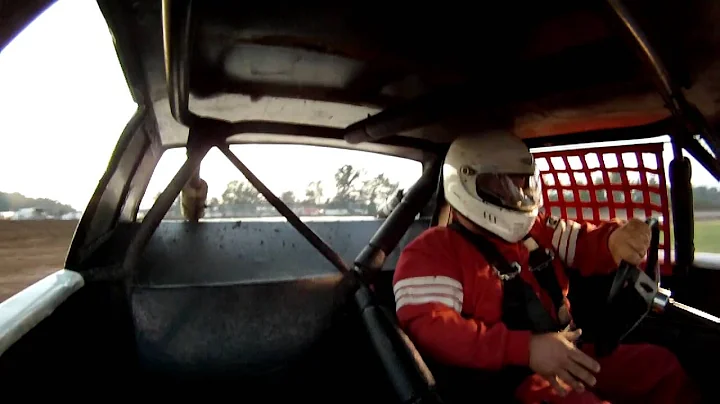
pixel 541 265
pixel 522 309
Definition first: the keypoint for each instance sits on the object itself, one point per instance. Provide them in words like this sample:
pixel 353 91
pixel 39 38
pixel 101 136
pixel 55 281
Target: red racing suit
pixel 449 300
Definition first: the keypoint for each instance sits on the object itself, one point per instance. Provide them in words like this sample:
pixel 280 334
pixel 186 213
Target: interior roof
pixel 541 69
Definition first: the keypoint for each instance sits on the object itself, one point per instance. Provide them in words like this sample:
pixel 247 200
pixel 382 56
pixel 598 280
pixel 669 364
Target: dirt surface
pixel 30 250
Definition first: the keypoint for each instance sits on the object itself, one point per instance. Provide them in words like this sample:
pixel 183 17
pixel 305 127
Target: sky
pixel 64 103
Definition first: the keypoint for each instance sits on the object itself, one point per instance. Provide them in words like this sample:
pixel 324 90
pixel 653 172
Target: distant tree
pixel 240 193
pixel 376 191
pixel 346 186
pixel 15 201
pixel 314 193
pixel 4 202
pixel 175 211
pixel 653 186
pixel 584 195
pixel 288 197
pixel 706 198
pixel 600 194
pixel 552 195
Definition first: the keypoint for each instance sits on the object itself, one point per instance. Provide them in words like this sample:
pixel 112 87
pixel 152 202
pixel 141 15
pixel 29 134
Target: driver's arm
pixel 584 246
pixel 429 296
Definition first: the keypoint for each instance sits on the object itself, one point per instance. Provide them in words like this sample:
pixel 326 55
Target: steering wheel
pixel 630 298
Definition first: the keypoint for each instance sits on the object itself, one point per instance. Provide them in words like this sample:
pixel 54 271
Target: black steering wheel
pixel 630 298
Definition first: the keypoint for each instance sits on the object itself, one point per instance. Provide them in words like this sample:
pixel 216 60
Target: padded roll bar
pixel 411 378
pixel 373 256
pixel 420 111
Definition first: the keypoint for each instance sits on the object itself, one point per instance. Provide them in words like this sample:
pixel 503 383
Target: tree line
pixel 16 201
pixel 354 194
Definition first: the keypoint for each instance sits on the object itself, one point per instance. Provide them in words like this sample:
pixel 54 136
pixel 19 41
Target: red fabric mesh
pixel 611 182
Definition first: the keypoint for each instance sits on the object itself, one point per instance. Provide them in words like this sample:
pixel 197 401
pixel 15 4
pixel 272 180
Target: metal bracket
pixel 506 277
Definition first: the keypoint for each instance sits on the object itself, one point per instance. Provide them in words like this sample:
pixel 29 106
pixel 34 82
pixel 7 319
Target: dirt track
pixel 30 250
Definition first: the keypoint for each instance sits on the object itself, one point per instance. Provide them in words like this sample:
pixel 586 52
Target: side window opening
pixel 64 102
pixel 313 181
pixel 168 165
pixel 706 207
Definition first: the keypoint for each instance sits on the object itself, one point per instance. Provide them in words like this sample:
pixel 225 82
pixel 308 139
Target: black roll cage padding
pixel 412 380
pixel 413 384
pixel 680 171
pixel 439 198
pixel 284 210
pixel 423 110
pixel 387 237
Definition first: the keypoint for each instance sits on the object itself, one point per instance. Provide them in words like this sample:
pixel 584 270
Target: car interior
pixel 305 311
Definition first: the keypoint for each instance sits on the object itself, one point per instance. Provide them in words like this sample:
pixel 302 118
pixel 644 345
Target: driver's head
pixel 490 179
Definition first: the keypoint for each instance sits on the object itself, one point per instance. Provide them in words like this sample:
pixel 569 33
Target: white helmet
pixel 491 179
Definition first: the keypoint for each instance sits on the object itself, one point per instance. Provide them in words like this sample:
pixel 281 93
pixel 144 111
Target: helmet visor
pixel 519 192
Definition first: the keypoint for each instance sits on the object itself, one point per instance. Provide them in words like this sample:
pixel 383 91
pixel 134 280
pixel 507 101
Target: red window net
pixel 591 185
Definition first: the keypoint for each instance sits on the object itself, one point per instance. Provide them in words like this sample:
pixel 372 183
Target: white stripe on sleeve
pixel 429 289
pixel 573 243
pixel 564 243
pixel 559 229
pixel 565 240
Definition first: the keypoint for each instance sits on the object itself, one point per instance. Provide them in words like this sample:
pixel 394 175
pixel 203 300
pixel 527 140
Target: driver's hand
pixel 630 242
pixel 554 356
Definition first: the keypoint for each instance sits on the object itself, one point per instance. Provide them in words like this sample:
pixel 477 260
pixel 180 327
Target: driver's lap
pixel 633 373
